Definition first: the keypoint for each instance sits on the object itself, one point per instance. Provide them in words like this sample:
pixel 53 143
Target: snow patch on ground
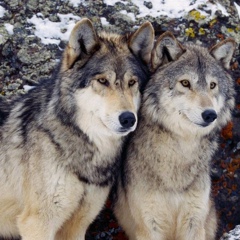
pixel 53 32
pixel 238 8
pixel 131 15
pixel 2 11
pixel 27 87
pixel 172 8
pixel 104 21
pixel 9 28
pixel 112 2
pixel 233 234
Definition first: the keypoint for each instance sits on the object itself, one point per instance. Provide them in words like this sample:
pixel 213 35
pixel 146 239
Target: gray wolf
pixel 164 189
pixel 60 143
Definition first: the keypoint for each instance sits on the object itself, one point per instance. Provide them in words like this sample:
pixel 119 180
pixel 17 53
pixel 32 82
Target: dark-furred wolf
pixel 164 191
pixel 60 143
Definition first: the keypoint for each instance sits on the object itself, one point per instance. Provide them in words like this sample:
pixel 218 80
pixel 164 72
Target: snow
pixel 9 28
pixel 176 9
pixel 111 2
pixel 53 32
pixel 238 8
pixel 2 11
pixel 131 15
pixel 233 234
pixel 104 21
pixel 172 8
pixel 28 87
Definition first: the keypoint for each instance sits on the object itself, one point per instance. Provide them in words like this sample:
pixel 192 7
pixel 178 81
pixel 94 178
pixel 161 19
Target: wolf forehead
pixel 113 55
pixel 198 61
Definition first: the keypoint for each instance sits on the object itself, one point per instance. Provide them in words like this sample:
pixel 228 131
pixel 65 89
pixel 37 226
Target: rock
pixel 148 4
pixel 13 4
pixel 33 54
pixel 232 235
pixel 4 36
pixel 32 4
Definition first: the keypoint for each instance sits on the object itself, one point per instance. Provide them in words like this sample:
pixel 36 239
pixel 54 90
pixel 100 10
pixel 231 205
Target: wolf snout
pixel 209 116
pixel 127 119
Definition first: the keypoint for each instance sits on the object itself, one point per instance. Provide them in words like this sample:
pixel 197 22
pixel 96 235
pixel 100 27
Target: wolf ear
pixel 83 41
pixel 166 49
pixel 141 42
pixel 223 51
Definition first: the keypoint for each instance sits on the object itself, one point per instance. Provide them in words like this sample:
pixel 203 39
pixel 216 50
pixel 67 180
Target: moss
pixel 190 32
pixel 212 22
pixel 201 31
pixel 196 15
pixel 230 30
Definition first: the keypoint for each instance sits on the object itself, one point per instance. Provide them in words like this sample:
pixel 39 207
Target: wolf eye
pixel 103 81
pixel 131 82
pixel 213 85
pixel 185 83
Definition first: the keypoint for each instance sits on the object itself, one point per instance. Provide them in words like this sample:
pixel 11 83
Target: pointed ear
pixel 83 41
pixel 223 51
pixel 141 42
pixel 166 49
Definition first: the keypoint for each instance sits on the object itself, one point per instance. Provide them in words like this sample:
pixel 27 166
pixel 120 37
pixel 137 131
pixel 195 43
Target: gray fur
pixel 59 152
pixel 164 191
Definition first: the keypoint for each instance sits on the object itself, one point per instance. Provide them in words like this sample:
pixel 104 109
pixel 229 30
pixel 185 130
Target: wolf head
pixel 190 90
pixel 101 75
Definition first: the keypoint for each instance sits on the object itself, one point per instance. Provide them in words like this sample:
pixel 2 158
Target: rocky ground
pixel 24 59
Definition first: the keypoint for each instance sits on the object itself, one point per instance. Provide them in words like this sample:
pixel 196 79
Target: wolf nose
pixel 127 119
pixel 209 116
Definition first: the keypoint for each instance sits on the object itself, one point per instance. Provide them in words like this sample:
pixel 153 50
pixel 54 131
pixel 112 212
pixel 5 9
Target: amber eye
pixel 103 81
pixel 186 83
pixel 131 82
pixel 213 85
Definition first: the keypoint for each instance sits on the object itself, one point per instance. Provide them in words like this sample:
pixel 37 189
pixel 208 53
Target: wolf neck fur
pixel 194 142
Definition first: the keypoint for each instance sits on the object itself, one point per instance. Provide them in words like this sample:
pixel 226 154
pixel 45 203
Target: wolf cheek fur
pixel 61 141
pixel 164 190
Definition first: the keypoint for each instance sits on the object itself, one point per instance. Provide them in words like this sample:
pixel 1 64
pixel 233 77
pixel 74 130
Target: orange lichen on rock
pixel 235 66
pixel 220 36
pixel 234 165
pixel 227 131
pixel 238 81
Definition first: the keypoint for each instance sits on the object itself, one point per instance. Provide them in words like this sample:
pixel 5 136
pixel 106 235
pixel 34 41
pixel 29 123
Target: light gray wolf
pixel 60 143
pixel 164 189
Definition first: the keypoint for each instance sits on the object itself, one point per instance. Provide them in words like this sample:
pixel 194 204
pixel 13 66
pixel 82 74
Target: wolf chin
pixel 60 143
pixel 164 188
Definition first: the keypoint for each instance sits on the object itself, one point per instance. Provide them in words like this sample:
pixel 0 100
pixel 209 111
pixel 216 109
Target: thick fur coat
pixel 60 143
pixel 164 188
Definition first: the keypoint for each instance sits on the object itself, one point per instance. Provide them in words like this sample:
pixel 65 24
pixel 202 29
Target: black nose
pixel 209 116
pixel 127 119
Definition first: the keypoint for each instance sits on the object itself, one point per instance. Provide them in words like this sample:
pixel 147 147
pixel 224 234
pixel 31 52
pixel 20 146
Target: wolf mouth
pixel 203 124
pixel 124 130
pixel 117 131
